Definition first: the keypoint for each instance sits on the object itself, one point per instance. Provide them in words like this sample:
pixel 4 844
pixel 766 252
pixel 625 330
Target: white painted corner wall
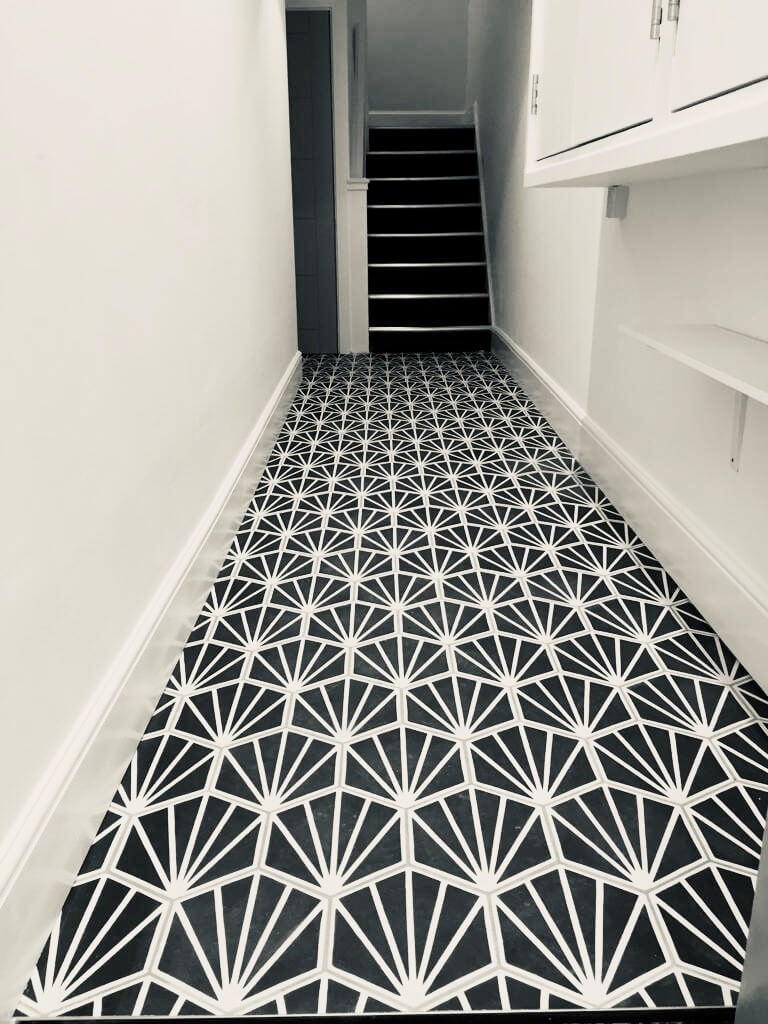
pixel 149 344
pixel 417 58
pixel 654 433
pixel 542 246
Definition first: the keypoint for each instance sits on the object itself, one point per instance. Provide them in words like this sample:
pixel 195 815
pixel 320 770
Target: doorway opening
pixel 310 91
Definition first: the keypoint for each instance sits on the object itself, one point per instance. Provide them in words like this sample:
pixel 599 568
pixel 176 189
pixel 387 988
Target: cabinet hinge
pixel 535 94
pixel 673 10
pixel 657 14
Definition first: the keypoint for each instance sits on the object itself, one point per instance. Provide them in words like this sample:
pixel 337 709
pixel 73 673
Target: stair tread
pixel 429 285
pixel 473 263
pixel 417 152
pixel 431 177
pixel 431 295
pixel 440 329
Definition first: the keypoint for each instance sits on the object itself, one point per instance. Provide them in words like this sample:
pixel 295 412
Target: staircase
pixel 427 273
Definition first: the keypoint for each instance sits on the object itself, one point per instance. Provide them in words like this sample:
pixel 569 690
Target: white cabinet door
pixel 721 45
pixel 613 89
pixel 556 27
pixel 596 65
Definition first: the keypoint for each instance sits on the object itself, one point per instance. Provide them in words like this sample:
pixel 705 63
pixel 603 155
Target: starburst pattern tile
pixel 445 736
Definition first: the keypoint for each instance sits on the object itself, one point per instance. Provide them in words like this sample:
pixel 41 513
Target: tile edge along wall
pixel 712 579
pixel 39 861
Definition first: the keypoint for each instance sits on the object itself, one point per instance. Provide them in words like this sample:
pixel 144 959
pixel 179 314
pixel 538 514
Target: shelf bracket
pixel 737 430
pixel 616 200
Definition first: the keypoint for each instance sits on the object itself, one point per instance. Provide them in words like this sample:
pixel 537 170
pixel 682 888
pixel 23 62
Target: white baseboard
pixel 41 855
pixel 419 118
pixel 729 596
pixel 565 415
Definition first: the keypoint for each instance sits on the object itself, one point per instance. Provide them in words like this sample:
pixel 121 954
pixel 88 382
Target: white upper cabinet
pixel 720 46
pixel 558 24
pixel 614 101
pixel 596 72
pixel 613 83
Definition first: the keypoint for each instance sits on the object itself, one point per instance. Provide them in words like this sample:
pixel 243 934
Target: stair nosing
pixel 434 177
pixel 447 327
pixel 421 127
pixel 468 263
pixel 424 234
pixel 419 206
pixel 430 295
pixel 417 152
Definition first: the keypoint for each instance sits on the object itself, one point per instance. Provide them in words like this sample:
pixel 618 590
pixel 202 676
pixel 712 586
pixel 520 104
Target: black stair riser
pixel 438 312
pixel 416 165
pixel 455 190
pixel 426 280
pixel 390 219
pixel 427 249
pixel 430 341
pixel 421 138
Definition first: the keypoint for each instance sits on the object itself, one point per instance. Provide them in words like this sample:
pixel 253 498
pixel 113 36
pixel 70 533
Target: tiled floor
pixel 445 736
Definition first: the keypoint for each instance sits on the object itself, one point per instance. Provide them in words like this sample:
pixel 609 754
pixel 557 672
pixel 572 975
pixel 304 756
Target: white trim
pixel 726 592
pixel 484 207
pixel 358 184
pixel 357 206
pixel 44 849
pixel 419 118
pixel 565 415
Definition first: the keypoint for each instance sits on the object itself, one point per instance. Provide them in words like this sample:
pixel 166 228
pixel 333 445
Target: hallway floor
pixel 445 735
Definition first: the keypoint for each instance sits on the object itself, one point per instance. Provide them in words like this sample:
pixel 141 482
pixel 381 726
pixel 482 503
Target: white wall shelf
pixel 737 360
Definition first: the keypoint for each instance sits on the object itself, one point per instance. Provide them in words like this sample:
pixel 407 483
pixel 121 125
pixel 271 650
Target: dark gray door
pixel 314 213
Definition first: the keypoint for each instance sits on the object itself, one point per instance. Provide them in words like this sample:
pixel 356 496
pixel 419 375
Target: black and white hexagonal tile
pixel 445 736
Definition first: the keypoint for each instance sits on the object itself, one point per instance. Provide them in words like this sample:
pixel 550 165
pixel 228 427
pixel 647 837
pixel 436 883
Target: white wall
pixel 417 54
pixel 691 250
pixel 542 244
pixel 148 313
